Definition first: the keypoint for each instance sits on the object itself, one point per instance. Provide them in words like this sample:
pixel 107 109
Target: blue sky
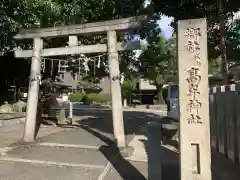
pixel 167 30
pixel 164 24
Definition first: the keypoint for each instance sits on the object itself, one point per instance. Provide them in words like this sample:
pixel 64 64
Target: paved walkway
pixel 63 154
pixel 85 152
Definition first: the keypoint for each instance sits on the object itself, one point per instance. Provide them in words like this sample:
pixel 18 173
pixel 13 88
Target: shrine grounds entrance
pixel 112 47
pixel 193 83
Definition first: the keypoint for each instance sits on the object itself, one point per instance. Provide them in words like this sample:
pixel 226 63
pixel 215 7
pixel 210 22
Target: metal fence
pixel 225 120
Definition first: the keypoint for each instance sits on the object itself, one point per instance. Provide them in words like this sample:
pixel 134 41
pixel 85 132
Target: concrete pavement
pixel 85 151
pixel 73 153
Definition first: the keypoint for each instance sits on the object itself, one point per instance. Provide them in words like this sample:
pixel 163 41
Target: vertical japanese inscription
pixel 194 77
pixel 193 44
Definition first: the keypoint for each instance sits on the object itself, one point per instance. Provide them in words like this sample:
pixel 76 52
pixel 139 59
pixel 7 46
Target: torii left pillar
pixel 33 92
pixel 117 114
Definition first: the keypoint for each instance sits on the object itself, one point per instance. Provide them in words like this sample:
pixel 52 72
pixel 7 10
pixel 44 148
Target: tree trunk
pixel 130 98
pixel 18 93
pixel 224 63
pixel 160 95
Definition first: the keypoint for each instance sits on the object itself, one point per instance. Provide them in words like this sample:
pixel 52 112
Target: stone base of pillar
pixel 126 151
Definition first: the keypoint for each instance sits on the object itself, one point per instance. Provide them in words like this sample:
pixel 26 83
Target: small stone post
pixel 61 117
pixel 73 41
pixel 125 102
pixel 194 100
pixel 118 126
pixel 33 91
pixel 70 110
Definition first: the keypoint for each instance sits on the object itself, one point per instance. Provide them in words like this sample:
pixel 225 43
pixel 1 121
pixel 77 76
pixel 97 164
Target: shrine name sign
pixel 194 100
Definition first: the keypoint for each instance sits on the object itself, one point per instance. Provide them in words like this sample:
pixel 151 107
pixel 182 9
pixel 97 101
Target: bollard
pixel 154 151
pixel 125 103
pixel 1 125
pixel 70 112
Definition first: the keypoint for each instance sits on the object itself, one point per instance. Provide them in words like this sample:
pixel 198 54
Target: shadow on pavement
pixel 170 160
pixel 135 123
pixel 167 162
pixel 125 169
pixel 102 121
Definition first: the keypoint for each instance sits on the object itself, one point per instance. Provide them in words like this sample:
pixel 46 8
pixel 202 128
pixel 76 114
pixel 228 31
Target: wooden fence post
pixel 237 146
pixel 212 108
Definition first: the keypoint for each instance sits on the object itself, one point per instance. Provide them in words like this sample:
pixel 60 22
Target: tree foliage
pixel 233 41
pixel 158 63
pixel 232 32
pixel 17 14
pixel 190 9
pixel 129 88
pixel 48 13
pixel 217 12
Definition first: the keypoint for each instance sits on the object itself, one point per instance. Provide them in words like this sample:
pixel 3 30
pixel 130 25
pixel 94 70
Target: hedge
pixel 77 97
pixel 90 98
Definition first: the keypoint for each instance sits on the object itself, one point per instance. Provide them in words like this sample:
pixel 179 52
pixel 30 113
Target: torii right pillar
pixel 194 100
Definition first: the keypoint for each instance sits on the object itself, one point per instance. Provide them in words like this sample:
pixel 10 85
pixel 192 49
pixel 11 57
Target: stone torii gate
pixel 112 47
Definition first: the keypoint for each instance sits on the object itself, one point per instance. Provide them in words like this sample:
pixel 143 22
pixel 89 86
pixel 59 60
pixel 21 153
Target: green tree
pixel 24 14
pixel 129 88
pixel 156 63
pixel 232 34
pixel 45 13
pixel 15 15
pixel 233 42
pixel 216 11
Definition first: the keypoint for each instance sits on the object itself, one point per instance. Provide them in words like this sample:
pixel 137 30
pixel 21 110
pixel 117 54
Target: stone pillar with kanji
pixel 194 101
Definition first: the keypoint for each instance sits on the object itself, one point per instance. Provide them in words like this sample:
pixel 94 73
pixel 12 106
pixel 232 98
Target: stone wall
pixel 9 119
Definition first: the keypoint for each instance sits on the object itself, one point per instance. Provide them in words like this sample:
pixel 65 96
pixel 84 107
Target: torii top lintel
pixel 88 28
